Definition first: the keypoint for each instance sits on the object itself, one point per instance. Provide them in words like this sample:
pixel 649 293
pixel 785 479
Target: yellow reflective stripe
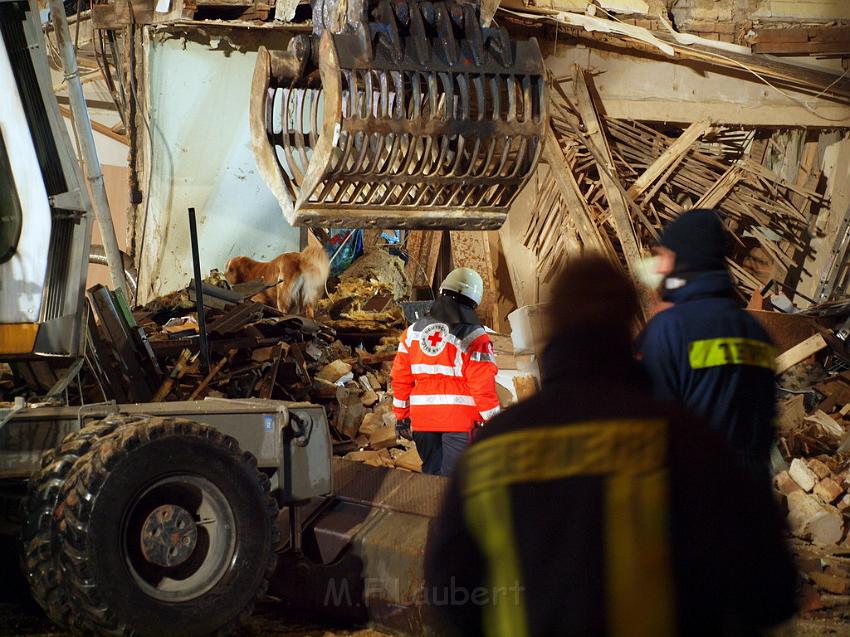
pixel 715 352
pixel 489 520
pixel 639 586
pixel 17 338
pixel 631 457
pixel 551 453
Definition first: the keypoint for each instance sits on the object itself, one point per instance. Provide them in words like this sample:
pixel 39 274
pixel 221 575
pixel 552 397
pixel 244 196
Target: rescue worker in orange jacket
pixel 444 375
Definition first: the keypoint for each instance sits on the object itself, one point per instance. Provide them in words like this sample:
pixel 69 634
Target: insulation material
pixel 367 296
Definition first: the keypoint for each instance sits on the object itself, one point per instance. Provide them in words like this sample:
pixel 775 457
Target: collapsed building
pixel 637 111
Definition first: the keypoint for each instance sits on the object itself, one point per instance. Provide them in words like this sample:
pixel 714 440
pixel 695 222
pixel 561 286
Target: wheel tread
pixel 38 541
pixel 94 615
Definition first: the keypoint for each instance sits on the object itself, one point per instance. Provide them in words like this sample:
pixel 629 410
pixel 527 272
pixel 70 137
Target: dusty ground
pixel 19 617
pixel 277 621
pixel 270 620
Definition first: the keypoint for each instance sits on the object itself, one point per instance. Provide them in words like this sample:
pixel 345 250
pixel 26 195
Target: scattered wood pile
pixel 152 355
pixel 359 403
pixel 610 185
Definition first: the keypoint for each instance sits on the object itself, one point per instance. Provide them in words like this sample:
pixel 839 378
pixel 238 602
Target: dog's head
pixel 238 269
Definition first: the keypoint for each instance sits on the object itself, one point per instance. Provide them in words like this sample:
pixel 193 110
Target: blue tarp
pixel 352 249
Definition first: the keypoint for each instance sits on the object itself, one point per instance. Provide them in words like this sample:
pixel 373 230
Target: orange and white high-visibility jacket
pixel 444 375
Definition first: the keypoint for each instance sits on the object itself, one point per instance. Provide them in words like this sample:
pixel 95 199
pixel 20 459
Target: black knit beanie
pixel 699 240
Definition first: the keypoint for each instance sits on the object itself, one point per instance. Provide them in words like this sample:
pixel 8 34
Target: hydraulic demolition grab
pixel 398 113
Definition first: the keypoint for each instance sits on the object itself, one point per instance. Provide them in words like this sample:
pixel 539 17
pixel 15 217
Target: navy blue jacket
pixel 715 359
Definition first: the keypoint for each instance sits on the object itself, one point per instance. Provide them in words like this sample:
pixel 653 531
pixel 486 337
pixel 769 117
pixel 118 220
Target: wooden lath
pixel 612 184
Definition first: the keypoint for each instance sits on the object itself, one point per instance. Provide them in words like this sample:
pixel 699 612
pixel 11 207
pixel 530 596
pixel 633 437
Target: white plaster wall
pixel 201 157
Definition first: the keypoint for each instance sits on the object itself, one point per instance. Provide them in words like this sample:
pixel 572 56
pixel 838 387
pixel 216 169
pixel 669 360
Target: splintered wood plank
pixel 720 189
pixel 799 353
pixel 471 249
pixel 178 371
pixel 212 374
pixel 617 204
pixel 580 211
pixel 673 153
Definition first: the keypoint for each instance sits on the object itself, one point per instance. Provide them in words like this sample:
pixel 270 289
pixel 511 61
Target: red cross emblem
pixel 433 338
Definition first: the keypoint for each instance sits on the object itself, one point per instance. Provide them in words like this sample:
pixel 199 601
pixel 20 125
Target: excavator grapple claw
pixel 407 115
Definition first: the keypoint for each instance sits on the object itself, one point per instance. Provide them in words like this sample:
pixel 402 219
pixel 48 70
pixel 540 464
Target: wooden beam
pixel 505 298
pixel 801 34
pixel 805 48
pixel 580 211
pixel 644 88
pixel 617 204
pixel 720 189
pixel 802 40
pixel 423 248
pixel 799 353
pixel 212 374
pixel 102 105
pixel 675 151
pixel 103 129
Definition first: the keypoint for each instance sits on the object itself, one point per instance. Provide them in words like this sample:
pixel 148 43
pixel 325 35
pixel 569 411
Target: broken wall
pixel 830 246
pixel 196 91
pixel 633 85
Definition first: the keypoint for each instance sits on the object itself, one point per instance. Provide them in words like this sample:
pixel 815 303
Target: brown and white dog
pixel 298 278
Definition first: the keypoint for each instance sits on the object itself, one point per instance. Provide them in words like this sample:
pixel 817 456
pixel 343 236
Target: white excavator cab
pixel 44 224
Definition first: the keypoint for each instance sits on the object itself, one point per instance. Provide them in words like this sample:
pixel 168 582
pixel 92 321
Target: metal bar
pixel 83 128
pixel 199 294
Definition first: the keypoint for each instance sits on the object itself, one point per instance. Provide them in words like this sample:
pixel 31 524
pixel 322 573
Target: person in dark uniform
pixel 592 509
pixel 706 351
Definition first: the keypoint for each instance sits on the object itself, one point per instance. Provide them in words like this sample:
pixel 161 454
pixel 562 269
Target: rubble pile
pixel 255 351
pixel 814 440
pixel 361 409
pixel 367 297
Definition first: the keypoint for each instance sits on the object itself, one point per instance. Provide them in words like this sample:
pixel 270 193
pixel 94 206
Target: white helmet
pixel 466 282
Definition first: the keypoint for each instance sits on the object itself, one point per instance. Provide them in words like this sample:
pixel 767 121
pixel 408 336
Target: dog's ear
pixel 234 269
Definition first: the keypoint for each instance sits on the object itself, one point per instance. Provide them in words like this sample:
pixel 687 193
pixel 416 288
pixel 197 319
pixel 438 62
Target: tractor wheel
pixel 40 546
pixel 168 529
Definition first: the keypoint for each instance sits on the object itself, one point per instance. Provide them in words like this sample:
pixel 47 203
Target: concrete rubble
pixel 812 476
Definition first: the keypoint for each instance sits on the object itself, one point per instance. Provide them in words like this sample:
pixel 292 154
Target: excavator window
pixel 11 218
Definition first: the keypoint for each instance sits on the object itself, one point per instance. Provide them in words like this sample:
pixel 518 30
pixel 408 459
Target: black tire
pixel 127 480
pixel 39 542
